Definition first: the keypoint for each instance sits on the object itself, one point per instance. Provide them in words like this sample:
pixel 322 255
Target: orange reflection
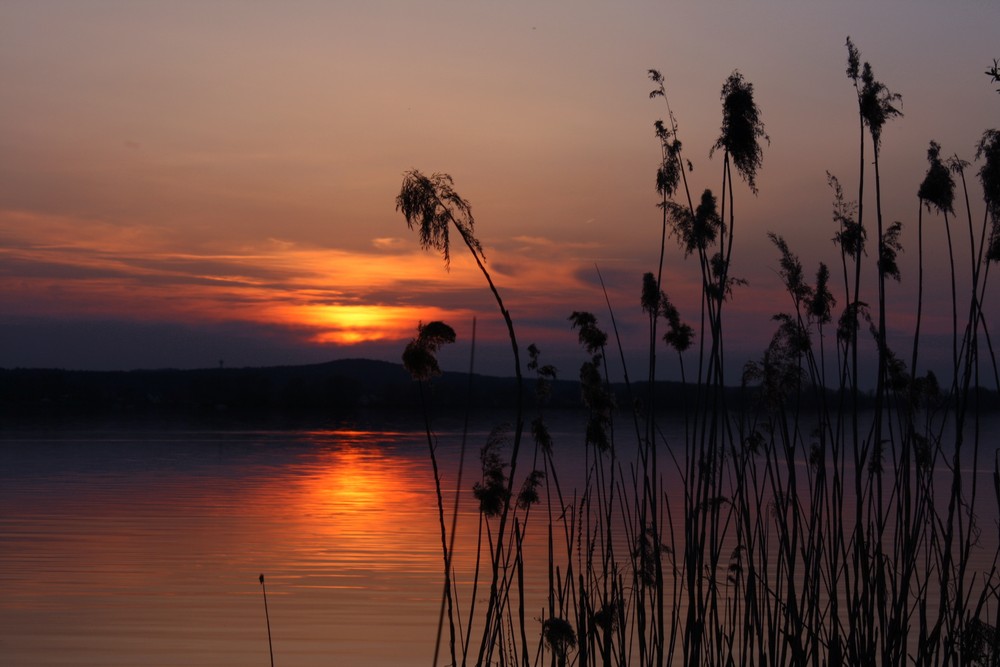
pixel 353 481
pixel 375 508
pixel 342 523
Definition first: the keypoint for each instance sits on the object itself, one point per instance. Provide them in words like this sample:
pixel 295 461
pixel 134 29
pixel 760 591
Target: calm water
pixel 122 548
pixel 126 548
pixel 146 549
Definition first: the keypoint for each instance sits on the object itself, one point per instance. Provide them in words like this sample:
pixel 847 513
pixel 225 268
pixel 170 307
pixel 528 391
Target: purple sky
pixel 188 182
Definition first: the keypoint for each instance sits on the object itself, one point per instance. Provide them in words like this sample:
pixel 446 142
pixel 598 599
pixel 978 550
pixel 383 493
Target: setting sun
pixel 347 325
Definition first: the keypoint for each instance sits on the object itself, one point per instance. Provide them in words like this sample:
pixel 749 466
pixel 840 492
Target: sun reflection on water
pixel 163 541
pixel 355 480
pixel 368 505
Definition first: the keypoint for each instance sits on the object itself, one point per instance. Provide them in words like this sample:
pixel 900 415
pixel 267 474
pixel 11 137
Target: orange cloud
pixel 349 324
pixel 57 266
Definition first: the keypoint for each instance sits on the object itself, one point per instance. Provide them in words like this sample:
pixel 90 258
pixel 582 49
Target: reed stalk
pixel 805 522
pixel 267 618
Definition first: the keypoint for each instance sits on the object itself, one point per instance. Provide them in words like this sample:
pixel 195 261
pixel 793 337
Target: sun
pixel 353 324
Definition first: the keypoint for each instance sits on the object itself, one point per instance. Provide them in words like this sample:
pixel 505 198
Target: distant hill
pixel 315 391
pixel 332 388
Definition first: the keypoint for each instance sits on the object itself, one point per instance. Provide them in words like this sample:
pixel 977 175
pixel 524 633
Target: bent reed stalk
pixel 796 520
pixel 267 617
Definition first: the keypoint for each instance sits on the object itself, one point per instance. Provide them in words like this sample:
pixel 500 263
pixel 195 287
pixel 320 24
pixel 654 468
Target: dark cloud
pixel 508 269
pixel 614 278
pixel 112 344
pixel 20 268
pixel 126 345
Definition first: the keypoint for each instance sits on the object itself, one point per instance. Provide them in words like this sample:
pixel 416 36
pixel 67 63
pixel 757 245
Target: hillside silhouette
pixel 315 392
pixel 331 389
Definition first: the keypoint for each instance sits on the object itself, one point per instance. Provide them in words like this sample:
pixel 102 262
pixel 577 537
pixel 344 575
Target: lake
pixel 145 547
pixel 142 546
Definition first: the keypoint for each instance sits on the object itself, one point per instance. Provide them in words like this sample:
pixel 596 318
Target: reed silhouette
pixel 267 617
pixel 804 528
pixel 432 204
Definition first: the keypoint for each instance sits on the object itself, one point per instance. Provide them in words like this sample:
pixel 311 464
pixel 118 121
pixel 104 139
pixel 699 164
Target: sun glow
pixel 347 325
pixel 92 269
pixel 306 295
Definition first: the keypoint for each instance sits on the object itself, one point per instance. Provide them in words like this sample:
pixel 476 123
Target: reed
pixel 814 525
pixel 267 617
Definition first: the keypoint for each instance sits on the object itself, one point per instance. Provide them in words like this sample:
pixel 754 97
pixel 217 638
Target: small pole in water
pixel 268 619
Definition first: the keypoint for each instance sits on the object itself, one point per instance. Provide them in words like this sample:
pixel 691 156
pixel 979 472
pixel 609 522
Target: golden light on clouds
pixel 348 324
pixel 166 163
pixel 86 268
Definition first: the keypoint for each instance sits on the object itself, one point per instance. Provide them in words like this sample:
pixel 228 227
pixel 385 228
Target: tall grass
pixel 815 524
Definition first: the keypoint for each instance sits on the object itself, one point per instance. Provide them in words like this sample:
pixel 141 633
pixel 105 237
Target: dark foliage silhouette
pixel 804 524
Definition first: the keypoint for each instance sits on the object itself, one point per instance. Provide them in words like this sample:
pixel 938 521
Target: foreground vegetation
pixel 837 534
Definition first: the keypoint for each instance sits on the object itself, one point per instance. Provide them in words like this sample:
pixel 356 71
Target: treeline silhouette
pixel 330 389
pixel 334 388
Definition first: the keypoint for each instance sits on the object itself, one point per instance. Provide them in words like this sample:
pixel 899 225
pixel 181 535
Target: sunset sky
pixel 184 183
